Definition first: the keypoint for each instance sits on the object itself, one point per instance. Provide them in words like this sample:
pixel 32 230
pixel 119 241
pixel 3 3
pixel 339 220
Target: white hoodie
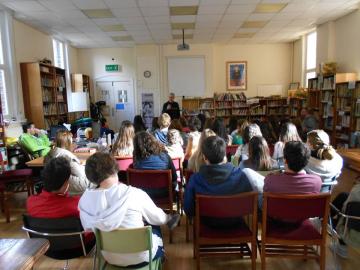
pixel 121 206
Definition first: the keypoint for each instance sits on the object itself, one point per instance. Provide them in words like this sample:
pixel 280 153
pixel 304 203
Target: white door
pixel 119 98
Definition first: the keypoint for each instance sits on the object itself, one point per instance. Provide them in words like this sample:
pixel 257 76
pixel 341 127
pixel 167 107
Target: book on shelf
pixel 44 69
pixel 230 96
pixel 60 81
pixel 329 83
pixel 47 95
pixel 47 82
pixel 49 109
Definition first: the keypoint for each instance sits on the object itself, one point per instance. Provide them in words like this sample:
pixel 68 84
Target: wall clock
pixel 147 73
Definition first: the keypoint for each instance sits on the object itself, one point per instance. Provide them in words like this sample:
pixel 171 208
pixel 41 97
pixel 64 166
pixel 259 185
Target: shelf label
pixel 112 68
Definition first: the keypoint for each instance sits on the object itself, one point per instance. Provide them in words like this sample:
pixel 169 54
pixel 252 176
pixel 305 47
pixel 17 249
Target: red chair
pixel 297 236
pixel 232 240
pixel 14 181
pixel 188 174
pixel 124 163
pixel 157 184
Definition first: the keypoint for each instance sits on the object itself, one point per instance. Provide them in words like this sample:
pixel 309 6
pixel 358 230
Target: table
pixel 351 158
pixel 21 254
pixel 39 162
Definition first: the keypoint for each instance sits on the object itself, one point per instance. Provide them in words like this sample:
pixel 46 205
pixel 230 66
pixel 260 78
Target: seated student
pixel 237 134
pixel 34 140
pixel 242 152
pixel 220 129
pixel 194 136
pixel 324 161
pixel 294 180
pixel 216 177
pixel 184 124
pixel 309 120
pixel 123 146
pixel 150 154
pixel 197 159
pixel 78 182
pixel 161 133
pixel 267 130
pixel 104 129
pixel 288 132
pixel 175 144
pixel 176 124
pixel 139 124
pixel 115 205
pixel 154 125
pixel 347 236
pixel 259 156
pixel 54 200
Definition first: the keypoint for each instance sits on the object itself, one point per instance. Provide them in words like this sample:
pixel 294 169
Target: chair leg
pixel 187 229
pixel 66 266
pixel 198 262
pixel 322 257
pixel 253 255
pixel 263 266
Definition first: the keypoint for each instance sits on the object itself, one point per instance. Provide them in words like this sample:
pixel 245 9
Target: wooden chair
pixel 286 229
pixel 157 184
pixel 67 237
pixel 231 234
pixel 188 174
pixel 125 241
pixel 13 181
pixel 230 151
pixel 124 163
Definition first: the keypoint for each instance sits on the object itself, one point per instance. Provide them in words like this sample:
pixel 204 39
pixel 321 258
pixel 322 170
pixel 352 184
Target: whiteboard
pixel 267 90
pixel 186 76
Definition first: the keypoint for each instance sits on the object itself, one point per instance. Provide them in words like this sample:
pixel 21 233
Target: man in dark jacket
pixel 216 177
pixel 171 107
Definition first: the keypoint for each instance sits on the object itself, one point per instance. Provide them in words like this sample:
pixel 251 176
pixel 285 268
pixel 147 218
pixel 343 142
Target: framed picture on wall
pixel 236 75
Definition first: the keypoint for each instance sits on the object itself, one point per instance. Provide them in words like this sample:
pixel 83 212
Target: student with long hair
pixel 237 134
pixel 175 144
pixel 259 156
pixel 220 129
pixel 139 123
pixel 78 182
pixel 324 161
pixel 197 159
pixel 150 154
pixel 288 133
pixel 194 136
pixel 123 146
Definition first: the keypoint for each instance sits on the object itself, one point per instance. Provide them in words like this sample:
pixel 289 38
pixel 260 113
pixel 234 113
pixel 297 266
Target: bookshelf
pixel 80 82
pixel 313 94
pixel 44 92
pixel 295 106
pixel 327 103
pixel 277 106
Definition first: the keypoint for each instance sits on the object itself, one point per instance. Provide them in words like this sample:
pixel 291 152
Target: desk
pixel 21 254
pixel 39 162
pixel 351 158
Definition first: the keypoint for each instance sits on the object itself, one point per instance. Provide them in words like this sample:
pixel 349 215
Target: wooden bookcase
pixel 295 106
pixel 44 92
pixel 314 95
pixel 80 82
pixel 327 103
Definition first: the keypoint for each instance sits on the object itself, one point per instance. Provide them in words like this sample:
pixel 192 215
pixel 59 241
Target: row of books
pixel 343 104
pixel 328 83
pixel 62 108
pixel 207 105
pixel 280 102
pixel 223 104
pixel 241 112
pixel 344 121
pixel 230 96
pixel 224 112
pixel 47 94
pixel 50 109
pixel 47 82
pixel 327 96
pixel 328 110
pixel 60 81
pixel 50 122
pixel 344 91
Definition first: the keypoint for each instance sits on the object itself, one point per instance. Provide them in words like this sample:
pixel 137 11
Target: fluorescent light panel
pixel 183 10
pixel 98 13
pixel 269 8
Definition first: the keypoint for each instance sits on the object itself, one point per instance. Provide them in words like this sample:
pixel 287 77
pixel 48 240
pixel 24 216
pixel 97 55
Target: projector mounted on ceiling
pixel 183 46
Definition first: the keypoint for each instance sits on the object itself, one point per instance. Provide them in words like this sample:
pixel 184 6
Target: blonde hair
pixel 174 137
pixel 320 143
pixel 124 139
pixel 288 133
pixel 63 139
pixel 164 120
pixel 198 156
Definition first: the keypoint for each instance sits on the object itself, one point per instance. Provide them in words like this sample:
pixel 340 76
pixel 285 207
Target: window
pixel 59 58
pixel 4 104
pixel 310 65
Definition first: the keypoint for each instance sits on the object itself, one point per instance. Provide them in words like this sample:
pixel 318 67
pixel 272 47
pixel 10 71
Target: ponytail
pixel 326 152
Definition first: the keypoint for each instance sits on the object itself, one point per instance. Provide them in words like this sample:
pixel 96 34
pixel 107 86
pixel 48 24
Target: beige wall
pixel 297 61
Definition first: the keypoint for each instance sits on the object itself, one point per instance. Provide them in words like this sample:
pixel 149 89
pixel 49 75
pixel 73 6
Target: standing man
pixel 171 107
pixel 309 121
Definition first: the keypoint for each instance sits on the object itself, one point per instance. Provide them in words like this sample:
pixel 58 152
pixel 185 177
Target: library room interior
pixel 244 114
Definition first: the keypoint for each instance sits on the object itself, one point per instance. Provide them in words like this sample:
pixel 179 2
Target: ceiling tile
pixel 248 30
pixel 260 16
pixel 218 9
pixel 244 35
pixel 183 19
pixel 112 27
pixel 232 18
pixel 159 26
pixel 117 33
pixel 174 3
pixel 183 10
pixel 182 25
pixel 241 9
pixel 215 2
pixel 98 13
pixel 136 27
pixel 25 6
pixel 153 3
pixel 89 4
pixel 120 3
pixel 71 14
pixel 178 31
pixel 121 38
pixel 88 28
pixel 126 12
pixel 106 21
pixel 269 7
pixel 155 11
pixel 79 22
pixel 157 19
pixel 208 18
pixel 254 24
pixel 180 36
pixel 133 20
pixel 58 5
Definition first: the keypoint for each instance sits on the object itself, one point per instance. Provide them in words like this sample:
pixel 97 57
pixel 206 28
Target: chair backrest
pixel 177 163
pixel 226 206
pixel 188 174
pixel 124 162
pixel 64 235
pixel 157 183
pixel 231 149
pixel 294 208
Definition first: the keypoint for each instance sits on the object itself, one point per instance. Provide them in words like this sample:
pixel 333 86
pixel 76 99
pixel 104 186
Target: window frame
pixel 310 70
pixel 62 46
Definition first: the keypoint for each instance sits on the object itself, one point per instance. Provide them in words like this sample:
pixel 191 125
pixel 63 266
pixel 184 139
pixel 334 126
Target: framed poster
pixel 236 75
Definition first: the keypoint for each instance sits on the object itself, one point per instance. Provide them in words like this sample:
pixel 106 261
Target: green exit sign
pixel 112 68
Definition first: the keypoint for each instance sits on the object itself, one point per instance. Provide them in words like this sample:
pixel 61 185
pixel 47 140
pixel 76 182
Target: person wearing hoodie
pixel 215 177
pixel 114 205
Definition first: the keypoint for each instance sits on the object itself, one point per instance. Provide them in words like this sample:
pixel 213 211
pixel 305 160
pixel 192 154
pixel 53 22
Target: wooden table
pixel 21 254
pixel 351 158
pixel 39 162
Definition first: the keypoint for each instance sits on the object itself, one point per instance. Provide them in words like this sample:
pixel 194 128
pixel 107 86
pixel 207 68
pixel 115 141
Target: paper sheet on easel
pixel 270 90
